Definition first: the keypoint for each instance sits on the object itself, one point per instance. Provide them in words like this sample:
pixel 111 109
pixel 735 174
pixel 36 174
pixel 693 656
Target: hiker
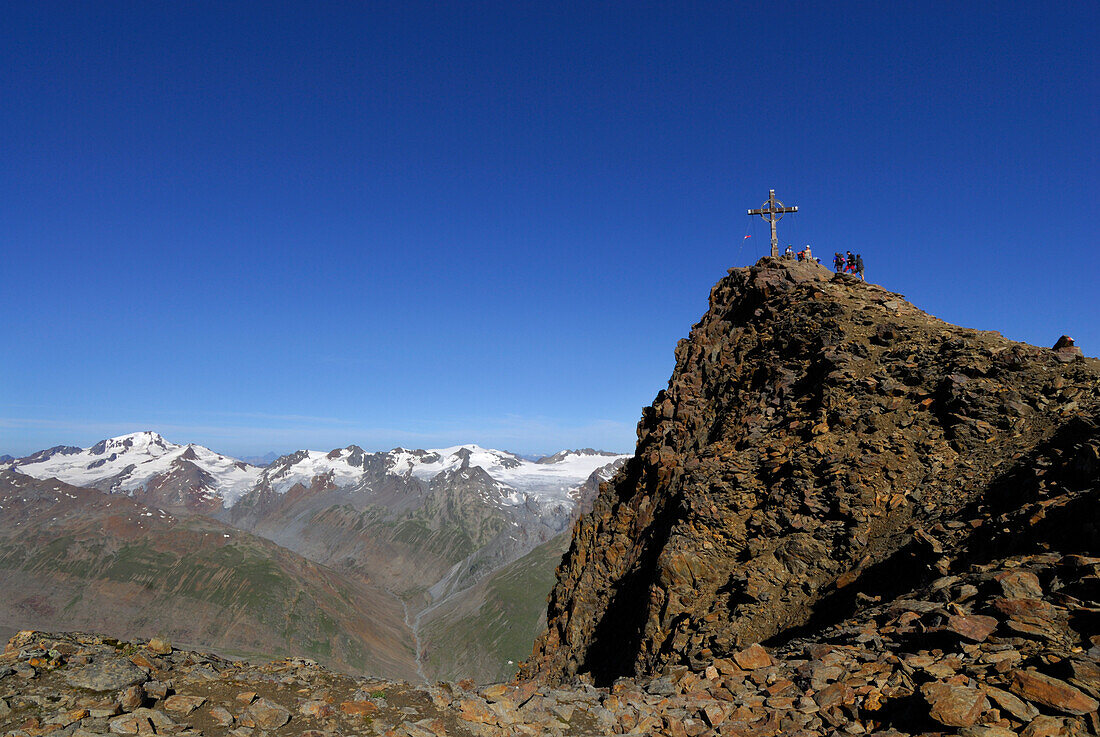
pixel 806 250
pixel 859 265
pixel 838 262
pixel 789 253
pixel 801 256
pixel 851 263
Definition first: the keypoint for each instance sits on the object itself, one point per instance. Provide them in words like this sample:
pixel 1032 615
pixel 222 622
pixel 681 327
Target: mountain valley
pixel 407 530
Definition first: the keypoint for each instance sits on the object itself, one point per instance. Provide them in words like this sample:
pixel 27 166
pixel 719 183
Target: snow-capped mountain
pixel 342 467
pixel 145 464
pixel 550 478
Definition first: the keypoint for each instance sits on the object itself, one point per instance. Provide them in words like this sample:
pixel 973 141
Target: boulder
pixel 752 658
pixel 1051 692
pixel 1019 584
pixel 954 706
pixel 107 675
pixel 267 714
pixel 1065 350
pixel 1011 704
pixel 160 646
pixel 1046 726
pixel 222 716
pixel 974 627
pixel 141 721
pixel 184 704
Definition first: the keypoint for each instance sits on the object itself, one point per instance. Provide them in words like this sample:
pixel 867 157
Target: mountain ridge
pixel 138 462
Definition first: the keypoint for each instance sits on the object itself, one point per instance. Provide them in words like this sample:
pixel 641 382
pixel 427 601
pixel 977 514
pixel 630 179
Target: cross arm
pixel 770 210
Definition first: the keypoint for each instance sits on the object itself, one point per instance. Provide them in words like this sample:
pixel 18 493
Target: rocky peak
pixel 464 455
pixel 820 439
pixel 146 440
pixel 45 455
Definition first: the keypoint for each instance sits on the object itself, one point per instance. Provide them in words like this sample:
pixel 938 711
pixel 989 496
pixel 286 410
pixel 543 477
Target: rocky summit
pixel 844 517
pixel 822 444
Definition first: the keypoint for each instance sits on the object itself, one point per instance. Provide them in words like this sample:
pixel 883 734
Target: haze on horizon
pixel 429 224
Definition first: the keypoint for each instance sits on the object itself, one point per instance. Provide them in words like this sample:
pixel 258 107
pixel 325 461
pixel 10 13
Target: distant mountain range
pixel 156 470
pixel 425 530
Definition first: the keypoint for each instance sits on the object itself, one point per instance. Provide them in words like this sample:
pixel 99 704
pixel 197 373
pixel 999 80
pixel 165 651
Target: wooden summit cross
pixel 772 211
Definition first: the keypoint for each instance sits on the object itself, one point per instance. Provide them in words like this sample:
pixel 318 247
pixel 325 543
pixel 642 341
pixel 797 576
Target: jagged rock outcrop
pixel 821 444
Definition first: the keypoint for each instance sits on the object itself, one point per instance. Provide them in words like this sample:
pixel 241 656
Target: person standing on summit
pixel 859 265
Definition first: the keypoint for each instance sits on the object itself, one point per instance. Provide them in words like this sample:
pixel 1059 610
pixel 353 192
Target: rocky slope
pixel 821 444
pixel 925 663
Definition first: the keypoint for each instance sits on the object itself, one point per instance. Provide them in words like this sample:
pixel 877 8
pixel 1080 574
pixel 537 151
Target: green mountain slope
pixel 485 631
pixel 85 560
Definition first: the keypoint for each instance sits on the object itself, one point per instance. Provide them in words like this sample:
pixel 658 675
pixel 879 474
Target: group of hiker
pixel 804 255
pixel 852 264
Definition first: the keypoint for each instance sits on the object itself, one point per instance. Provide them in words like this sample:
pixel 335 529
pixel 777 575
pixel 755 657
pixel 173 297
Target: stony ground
pixel 990 653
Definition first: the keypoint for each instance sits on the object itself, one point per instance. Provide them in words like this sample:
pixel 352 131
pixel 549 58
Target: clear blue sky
pixel 271 225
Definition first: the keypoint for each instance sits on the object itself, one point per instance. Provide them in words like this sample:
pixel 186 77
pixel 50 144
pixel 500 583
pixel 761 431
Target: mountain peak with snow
pixel 140 461
pixel 145 441
pixel 196 477
pixel 563 455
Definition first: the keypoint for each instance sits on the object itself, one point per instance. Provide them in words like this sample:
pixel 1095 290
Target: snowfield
pixel 551 480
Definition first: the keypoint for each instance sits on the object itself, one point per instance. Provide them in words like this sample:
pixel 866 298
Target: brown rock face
pixel 821 443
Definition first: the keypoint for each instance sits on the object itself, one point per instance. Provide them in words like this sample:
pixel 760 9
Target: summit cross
pixel 772 211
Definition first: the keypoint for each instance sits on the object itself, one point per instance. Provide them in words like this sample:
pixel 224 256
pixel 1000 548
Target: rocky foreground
pixel 989 653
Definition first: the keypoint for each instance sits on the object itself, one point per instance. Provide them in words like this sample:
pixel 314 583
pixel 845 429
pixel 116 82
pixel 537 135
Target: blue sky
pixel 267 226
